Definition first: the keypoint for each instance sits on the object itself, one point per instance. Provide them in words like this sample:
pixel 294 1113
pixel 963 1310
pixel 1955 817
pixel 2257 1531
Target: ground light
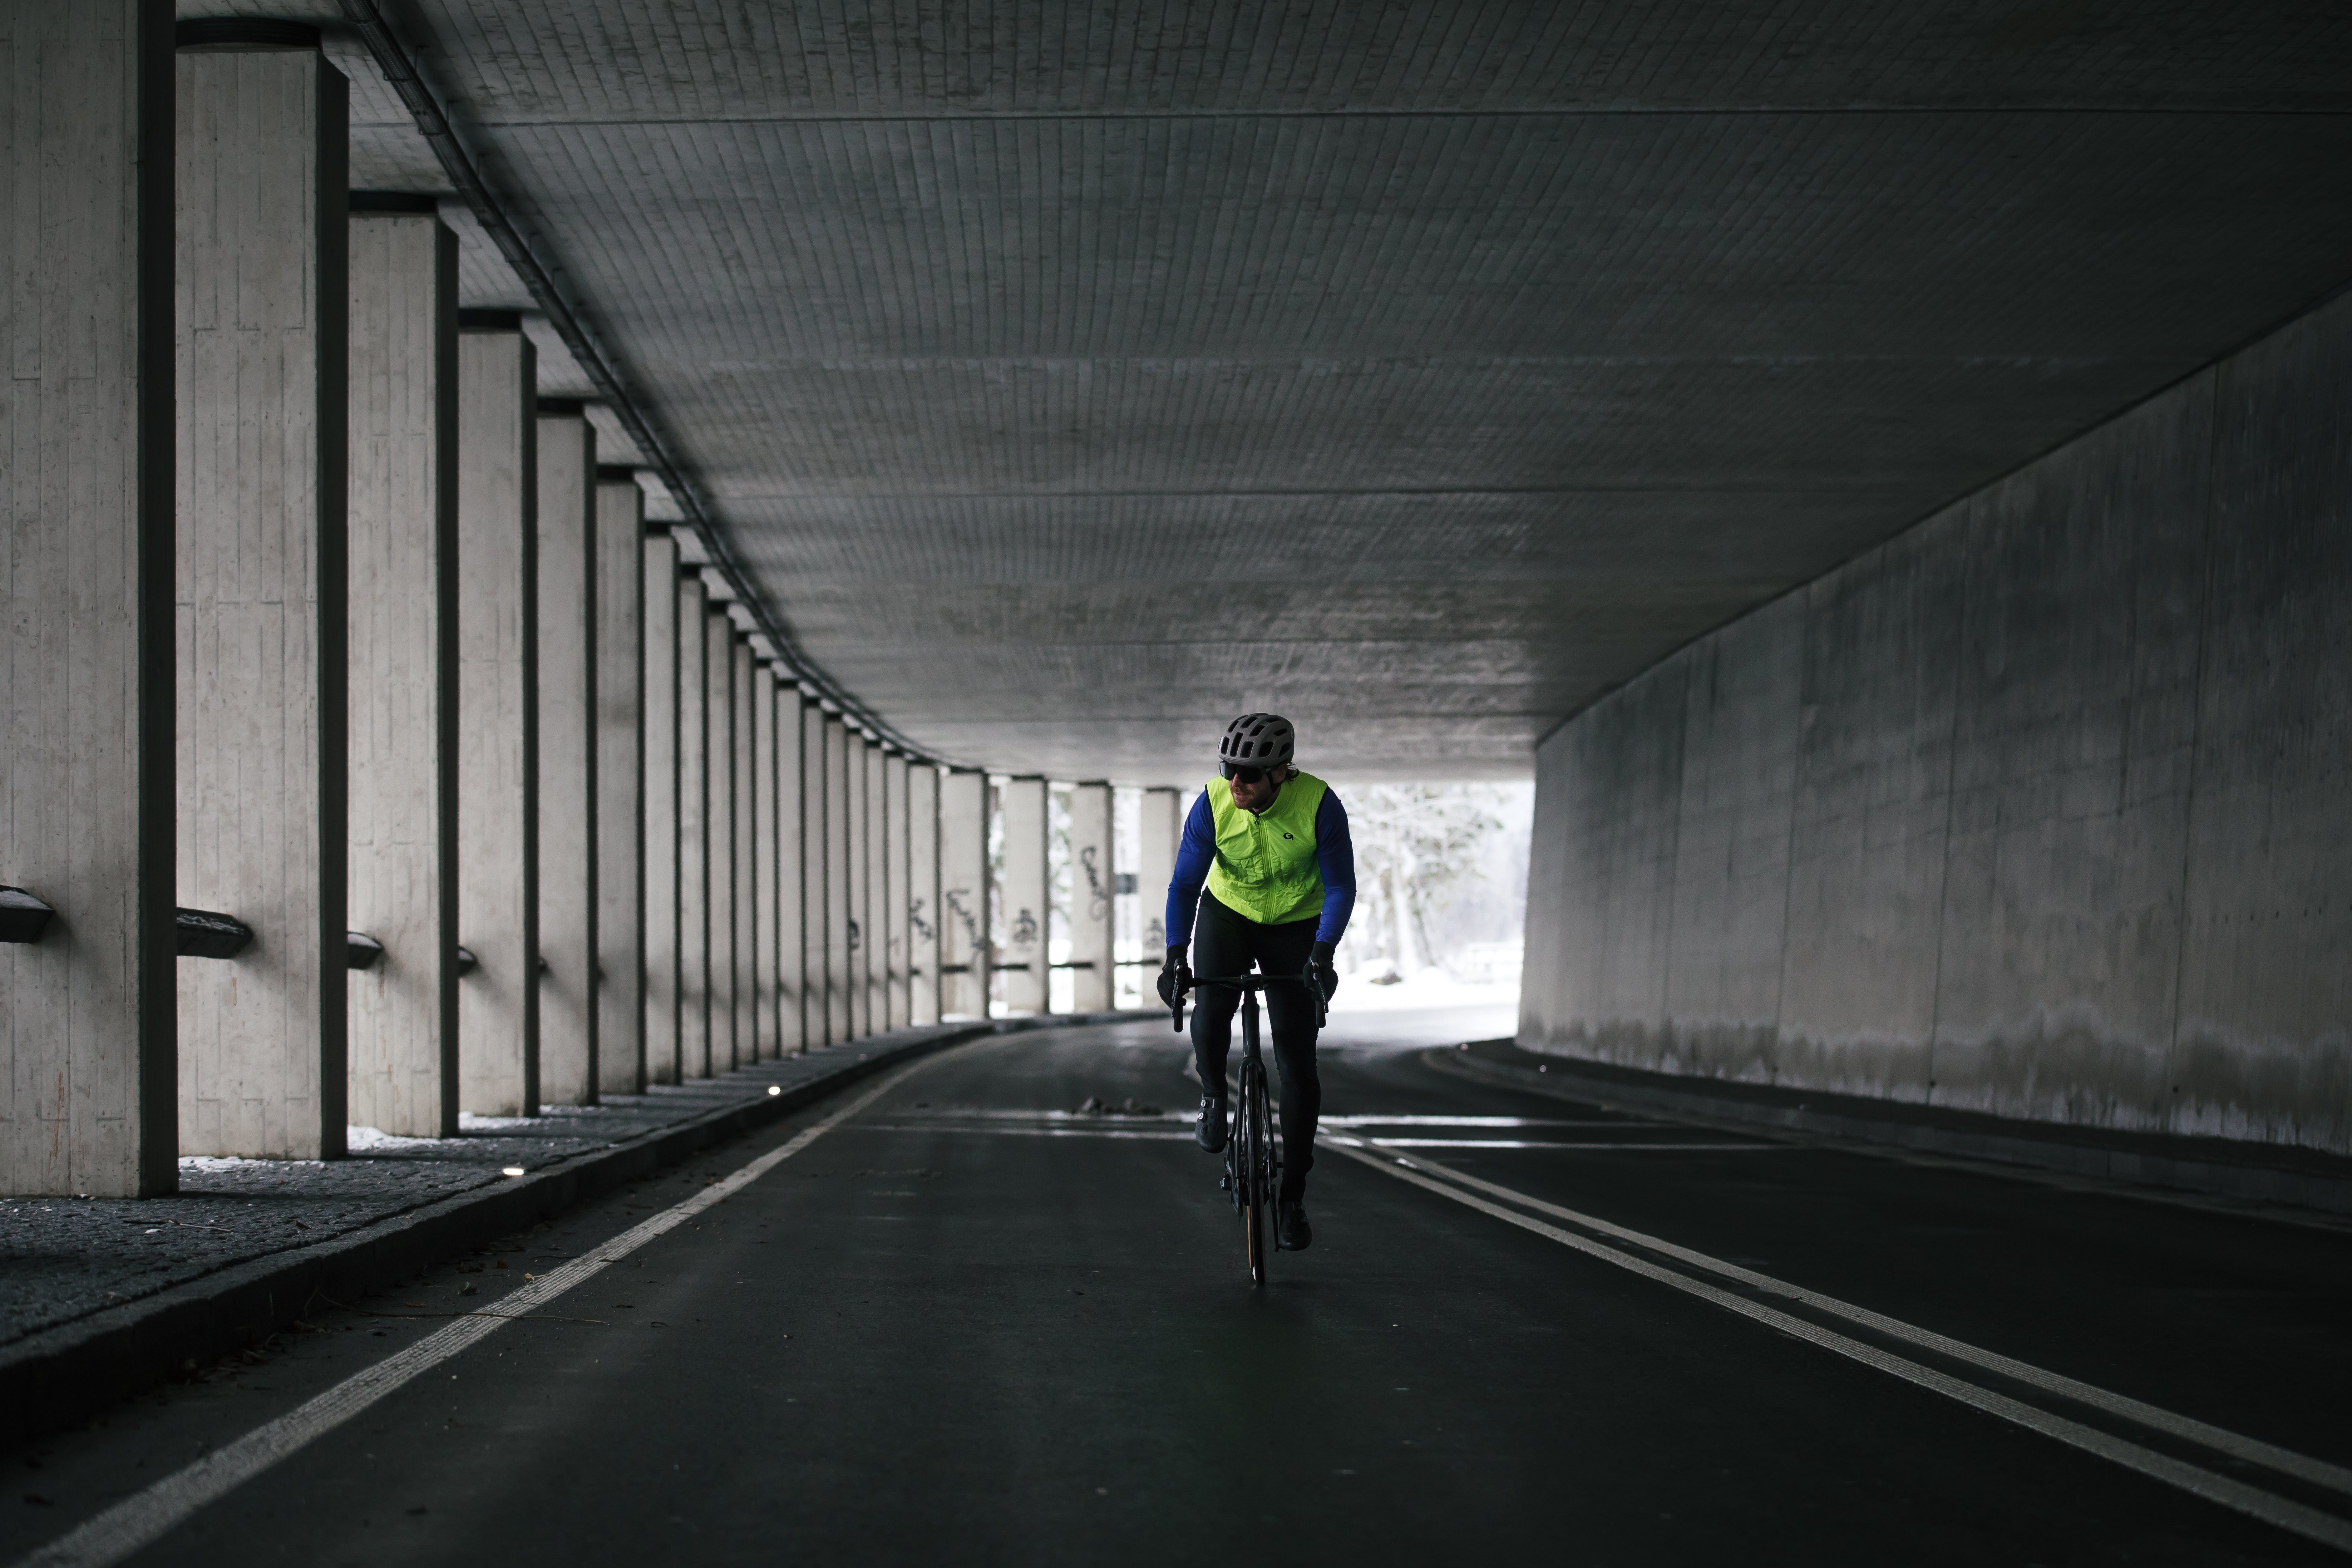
pixel 511 1170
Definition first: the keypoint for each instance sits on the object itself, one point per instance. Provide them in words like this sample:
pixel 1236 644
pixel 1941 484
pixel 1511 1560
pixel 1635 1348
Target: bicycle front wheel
pixel 1251 1138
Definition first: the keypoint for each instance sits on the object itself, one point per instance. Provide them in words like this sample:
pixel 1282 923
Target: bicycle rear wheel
pixel 1256 1200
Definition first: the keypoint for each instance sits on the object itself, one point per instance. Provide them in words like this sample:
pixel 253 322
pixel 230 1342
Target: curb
pixel 2247 1183
pixel 64 1375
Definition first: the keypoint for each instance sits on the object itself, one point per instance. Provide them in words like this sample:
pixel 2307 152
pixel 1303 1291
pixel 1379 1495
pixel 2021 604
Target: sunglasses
pixel 1240 774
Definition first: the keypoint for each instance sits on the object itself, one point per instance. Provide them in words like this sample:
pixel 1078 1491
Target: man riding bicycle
pixel 1271 845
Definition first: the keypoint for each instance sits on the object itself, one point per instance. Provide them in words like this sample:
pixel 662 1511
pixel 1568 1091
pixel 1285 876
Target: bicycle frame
pixel 1253 1152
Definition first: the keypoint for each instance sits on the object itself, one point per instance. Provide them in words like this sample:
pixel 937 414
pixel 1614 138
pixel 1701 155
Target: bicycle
pixel 1253 1152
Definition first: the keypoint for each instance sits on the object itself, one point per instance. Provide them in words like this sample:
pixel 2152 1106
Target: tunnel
pixel 1002 782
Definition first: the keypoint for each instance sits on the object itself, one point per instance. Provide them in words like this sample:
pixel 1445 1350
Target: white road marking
pixel 145 1516
pixel 2286 1461
pixel 1001 1130
pixel 1330 1121
pixel 1538 1143
pixel 2268 1507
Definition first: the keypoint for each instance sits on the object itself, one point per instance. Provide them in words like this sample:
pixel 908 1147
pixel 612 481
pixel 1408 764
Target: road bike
pixel 1253 1152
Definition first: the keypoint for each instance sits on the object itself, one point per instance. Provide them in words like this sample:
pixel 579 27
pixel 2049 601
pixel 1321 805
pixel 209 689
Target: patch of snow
pixel 359 1139
pixel 469 1122
pixel 240 1162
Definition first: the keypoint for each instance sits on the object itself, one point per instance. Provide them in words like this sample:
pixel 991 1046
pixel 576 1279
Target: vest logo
pixel 1290 836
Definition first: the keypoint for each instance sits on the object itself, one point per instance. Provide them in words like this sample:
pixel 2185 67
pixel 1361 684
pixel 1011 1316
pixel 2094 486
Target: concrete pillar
pixel 876 922
pixel 895 882
pixel 718 816
pixel 747 839
pixel 498 716
pixel 789 985
pixel 261 579
pixel 857 828
pixel 403 670
pixel 964 885
pixel 1162 826
pixel 664 890
pixel 816 921
pixel 1021 891
pixel 693 830
pixel 836 879
pixel 87 1015
pixel 922 893
pixel 1091 887
pixel 620 782
pixel 567 755
pixel 765 969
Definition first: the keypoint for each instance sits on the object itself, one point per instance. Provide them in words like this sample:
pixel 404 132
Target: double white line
pixel 2268 1507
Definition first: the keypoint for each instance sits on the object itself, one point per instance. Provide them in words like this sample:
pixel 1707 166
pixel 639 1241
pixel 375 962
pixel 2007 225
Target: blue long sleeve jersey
pixel 1335 856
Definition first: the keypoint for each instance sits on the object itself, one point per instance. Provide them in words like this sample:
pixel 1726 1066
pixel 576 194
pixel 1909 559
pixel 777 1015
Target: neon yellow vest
pixel 1265 867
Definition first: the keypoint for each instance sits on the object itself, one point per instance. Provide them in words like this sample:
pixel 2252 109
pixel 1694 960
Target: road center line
pixel 144 1516
pixel 2268 1507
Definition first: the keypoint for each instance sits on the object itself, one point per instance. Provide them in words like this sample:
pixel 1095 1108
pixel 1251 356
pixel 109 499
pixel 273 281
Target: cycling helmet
pixel 1257 740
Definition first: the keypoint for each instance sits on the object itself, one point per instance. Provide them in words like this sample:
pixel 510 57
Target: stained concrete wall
pixel 963 894
pixel 922 893
pixel 403 857
pixel 2037 810
pixel 858 910
pixel 1090 898
pixel 263 139
pixel 894 885
pixel 88 1015
pixel 1023 891
pixel 1159 828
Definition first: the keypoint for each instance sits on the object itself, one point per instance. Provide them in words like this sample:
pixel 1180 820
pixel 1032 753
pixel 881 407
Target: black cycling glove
pixel 1175 977
pixel 1325 975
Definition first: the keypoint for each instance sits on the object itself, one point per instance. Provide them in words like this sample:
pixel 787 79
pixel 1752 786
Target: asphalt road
pixel 972 1324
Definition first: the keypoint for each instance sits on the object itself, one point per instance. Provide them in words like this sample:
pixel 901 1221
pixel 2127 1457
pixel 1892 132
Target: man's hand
pixel 1324 975
pixel 1175 977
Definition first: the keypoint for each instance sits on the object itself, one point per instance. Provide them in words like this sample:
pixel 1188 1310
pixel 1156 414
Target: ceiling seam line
pixel 433 122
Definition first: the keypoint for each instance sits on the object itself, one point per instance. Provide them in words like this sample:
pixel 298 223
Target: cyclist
pixel 1271 845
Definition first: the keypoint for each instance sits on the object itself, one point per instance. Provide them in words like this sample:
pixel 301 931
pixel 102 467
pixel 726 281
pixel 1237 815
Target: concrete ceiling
pixel 1073 378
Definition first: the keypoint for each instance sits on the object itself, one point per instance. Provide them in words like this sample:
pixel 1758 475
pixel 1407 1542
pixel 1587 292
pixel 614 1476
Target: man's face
pixel 1254 788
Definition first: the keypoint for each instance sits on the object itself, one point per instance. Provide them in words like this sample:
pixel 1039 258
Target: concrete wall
pixel 1091 903
pixel 922 893
pixel 1023 897
pixel 964 886
pixel 88 1015
pixel 2037 810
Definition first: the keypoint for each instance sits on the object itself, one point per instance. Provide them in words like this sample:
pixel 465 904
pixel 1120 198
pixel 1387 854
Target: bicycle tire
pixel 1251 1133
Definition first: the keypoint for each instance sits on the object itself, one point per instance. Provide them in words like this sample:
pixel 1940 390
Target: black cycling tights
pixel 1224 942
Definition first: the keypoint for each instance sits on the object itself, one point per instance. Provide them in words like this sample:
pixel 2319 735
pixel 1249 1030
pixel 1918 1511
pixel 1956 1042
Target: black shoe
pixel 1291 1231
pixel 1210 1132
